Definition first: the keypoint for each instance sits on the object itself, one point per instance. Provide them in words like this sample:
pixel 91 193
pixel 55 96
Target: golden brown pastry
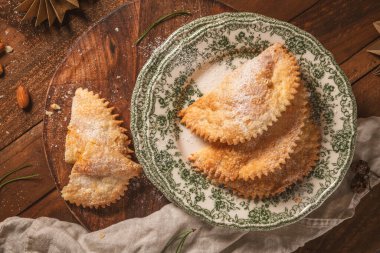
pixel 92 121
pixel 260 156
pixel 97 146
pixel 248 100
pixel 100 177
pixel 299 165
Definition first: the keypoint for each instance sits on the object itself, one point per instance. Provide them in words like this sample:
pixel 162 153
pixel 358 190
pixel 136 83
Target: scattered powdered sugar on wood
pixel 146 49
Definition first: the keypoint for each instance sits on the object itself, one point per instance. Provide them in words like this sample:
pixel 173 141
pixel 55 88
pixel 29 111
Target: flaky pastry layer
pixel 259 156
pixel 248 100
pixel 100 177
pixel 92 121
pixel 299 165
pixel 97 146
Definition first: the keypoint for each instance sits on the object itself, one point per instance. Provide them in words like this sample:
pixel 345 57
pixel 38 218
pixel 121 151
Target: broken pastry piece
pixel 299 165
pixel 260 156
pixel 100 177
pixel 248 100
pixel 92 121
pixel 97 146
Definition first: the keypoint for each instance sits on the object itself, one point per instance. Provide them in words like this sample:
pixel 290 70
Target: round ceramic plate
pixel 190 63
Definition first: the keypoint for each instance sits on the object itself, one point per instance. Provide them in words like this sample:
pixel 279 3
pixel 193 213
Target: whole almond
pixel 22 96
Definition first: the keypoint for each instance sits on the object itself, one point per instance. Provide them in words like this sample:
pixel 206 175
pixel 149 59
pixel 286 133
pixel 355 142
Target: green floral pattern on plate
pixel 165 85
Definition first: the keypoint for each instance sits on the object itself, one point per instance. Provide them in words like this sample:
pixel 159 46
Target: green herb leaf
pixel 17 179
pixel 160 20
pixel 376 72
pixel 14 170
pixel 181 237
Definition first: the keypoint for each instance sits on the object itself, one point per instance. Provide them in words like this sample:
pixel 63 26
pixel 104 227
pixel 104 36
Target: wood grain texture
pixel 360 64
pixel 274 9
pixel 106 61
pixel 37 53
pixel 358 234
pixel 367 94
pixel 17 196
pixel 343 26
pixel 51 205
pixel 32 47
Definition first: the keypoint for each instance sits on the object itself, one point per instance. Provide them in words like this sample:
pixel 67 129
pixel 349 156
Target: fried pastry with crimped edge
pixel 100 177
pixel 261 155
pixel 92 121
pixel 248 100
pixel 299 165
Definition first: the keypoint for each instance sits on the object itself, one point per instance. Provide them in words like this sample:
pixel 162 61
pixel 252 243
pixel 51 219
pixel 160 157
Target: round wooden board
pixel 105 60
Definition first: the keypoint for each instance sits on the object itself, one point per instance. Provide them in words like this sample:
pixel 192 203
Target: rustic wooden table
pixel 343 26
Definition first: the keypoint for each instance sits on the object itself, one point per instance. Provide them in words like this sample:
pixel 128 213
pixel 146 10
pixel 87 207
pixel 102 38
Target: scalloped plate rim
pixel 169 194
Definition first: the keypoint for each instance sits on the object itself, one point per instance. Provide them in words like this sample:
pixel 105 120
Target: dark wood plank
pixel 367 94
pixel 52 205
pixel 342 26
pixel 198 8
pixel 272 8
pixel 358 234
pixel 17 196
pixel 37 52
pixel 21 144
pixel 360 64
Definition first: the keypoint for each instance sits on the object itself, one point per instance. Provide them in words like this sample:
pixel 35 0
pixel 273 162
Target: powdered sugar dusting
pixel 207 78
pixel 246 101
pixel 248 88
pixel 147 49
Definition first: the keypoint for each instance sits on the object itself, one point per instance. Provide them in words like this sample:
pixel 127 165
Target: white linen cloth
pixel 150 234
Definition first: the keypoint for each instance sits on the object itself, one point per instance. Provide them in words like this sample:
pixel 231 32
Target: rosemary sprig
pixel 17 178
pixel 15 170
pixel 160 20
pixel 181 237
pixel 376 72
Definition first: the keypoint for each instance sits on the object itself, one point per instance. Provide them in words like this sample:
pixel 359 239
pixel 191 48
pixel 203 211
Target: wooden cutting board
pixel 106 61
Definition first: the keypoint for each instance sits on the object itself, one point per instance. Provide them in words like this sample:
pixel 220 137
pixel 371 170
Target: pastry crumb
pixel 55 107
pixel 48 113
pixel 9 49
pixel 297 199
pixel 102 235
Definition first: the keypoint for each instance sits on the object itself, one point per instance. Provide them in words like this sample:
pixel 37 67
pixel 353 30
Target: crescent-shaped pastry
pixel 97 146
pixel 248 100
pixel 100 177
pixel 92 121
pixel 299 165
pixel 259 156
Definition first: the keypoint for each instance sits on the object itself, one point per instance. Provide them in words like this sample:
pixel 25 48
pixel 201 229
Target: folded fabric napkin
pixel 150 234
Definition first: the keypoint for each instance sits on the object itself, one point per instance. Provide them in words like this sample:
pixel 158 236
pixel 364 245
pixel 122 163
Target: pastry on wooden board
pixel 92 121
pixel 248 100
pixel 100 177
pixel 260 156
pixel 98 148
